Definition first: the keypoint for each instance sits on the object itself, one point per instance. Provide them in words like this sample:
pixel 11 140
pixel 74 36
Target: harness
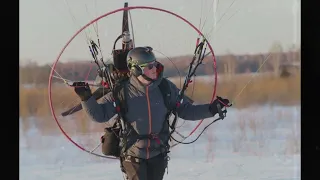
pixel 120 103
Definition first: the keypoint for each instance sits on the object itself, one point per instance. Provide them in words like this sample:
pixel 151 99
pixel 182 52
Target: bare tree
pixel 276 53
pixel 230 66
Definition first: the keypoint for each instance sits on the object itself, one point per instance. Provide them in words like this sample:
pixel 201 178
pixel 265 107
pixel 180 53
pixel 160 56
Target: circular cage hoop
pixel 103 16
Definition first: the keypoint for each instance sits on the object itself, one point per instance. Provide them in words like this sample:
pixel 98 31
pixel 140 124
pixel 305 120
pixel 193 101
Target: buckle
pixel 154 136
pixel 131 159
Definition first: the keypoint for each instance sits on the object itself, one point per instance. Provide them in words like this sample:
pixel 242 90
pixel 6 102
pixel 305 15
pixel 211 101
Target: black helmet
pixel 138 56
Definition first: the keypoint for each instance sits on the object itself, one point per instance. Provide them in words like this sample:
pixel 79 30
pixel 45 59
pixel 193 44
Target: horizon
pixel 172 58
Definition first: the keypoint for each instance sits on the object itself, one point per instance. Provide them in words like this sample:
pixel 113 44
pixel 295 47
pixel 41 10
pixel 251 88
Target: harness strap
pixel 120 95
pixel 150 136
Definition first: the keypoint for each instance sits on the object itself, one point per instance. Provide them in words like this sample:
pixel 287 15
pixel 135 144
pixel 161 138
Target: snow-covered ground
pixel 252 144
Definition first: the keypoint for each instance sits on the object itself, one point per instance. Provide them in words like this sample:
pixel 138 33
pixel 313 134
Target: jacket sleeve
pixel 187 110
pixel 99 112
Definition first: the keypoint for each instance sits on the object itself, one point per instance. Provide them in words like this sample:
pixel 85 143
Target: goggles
pixel 150 65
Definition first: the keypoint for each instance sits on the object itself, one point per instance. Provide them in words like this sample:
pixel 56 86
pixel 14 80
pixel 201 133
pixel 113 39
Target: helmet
pixel 138 56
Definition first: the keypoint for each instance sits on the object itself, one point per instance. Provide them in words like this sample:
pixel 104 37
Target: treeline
pixel 278 62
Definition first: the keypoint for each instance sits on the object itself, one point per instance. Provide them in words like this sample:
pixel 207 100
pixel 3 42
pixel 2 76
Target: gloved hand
pixel 83 90
pixel 214 106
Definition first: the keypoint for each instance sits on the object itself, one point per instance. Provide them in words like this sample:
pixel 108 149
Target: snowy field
pixel 260 143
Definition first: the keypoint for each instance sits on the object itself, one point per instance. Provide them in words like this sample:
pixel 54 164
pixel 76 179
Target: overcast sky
pixel 248 26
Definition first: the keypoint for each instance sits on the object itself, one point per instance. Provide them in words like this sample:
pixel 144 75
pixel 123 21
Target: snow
pixel 225 152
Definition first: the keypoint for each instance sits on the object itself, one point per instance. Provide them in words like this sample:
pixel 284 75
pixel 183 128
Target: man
pixel 146 158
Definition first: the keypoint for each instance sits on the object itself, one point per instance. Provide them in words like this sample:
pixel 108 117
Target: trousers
pixel 145 169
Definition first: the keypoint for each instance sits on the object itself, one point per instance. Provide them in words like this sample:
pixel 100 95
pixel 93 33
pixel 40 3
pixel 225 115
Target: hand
pixel 217 105
pixel 83 90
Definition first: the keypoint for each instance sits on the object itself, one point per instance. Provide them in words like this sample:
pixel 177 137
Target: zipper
pixel 150 119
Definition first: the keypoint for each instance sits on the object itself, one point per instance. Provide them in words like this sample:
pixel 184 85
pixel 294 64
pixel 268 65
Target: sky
pixel 248 26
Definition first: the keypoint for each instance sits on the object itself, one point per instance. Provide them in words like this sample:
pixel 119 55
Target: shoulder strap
pixel 166 92
pixel 119 93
